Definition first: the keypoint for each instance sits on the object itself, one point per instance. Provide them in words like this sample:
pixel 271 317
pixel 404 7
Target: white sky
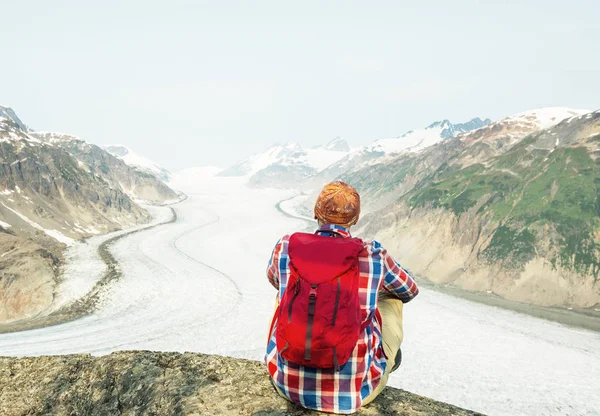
pixel 191 83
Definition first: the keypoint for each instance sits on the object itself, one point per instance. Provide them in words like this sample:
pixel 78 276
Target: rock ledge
pixel 154 383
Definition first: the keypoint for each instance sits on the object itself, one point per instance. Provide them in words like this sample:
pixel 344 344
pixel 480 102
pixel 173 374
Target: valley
pixel 156 158
pixel 453 204
pixel 199 284
pixel 507 207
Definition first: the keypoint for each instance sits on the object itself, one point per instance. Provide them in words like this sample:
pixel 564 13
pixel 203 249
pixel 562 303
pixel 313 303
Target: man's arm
pixel 398 281
pixel 273 267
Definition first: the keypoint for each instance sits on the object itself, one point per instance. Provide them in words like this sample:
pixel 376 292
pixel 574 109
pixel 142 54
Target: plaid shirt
pixel 340 391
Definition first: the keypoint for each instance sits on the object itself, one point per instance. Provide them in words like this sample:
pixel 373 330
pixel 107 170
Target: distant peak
pixel 338 144
pixel 473 124
pixel 440 124
pixel 336 140
pixel 447 129
pixel 9 113
pixel 117 150
pixel 546 117
pixel 286 145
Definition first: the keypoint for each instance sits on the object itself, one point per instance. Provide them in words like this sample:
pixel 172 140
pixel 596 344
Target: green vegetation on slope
pixel 381 177
pixel 527 191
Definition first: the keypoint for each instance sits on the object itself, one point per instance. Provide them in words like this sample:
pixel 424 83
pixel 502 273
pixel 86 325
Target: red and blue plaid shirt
pixel 341 391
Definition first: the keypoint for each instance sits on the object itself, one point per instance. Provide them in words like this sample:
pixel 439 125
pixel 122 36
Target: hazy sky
pixel 192 83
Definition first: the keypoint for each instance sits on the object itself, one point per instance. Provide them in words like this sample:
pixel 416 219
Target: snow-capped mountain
pixel 61 185
pixel 54 189
pixel 383 179
pixel 133 159
pixel 451 130
pixel 415 140
pixel 501 135
pixel 412 141
pixel 338 145
pixel 49 195
pixel 8 113
pixel 282 163
pixel 507 200
pixel 254 163
pixel 544 118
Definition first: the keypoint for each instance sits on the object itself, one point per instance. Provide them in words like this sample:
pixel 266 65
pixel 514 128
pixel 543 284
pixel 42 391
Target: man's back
pixel 343 390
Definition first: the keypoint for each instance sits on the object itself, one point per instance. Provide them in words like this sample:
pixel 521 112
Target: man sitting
pixel 336 333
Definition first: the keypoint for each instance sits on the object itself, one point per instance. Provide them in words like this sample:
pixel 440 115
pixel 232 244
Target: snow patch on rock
pixel 57 235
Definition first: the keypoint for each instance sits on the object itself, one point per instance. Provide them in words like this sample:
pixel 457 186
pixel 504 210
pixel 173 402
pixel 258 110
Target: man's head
pixel 338 203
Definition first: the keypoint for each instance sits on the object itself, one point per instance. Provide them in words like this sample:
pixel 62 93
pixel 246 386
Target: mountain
pixel 381 178
pixel 140 162
pixel 451 130
pixel 43 183
pixel 416 140
pixel 9 114
pixel 499 136
pixel 511 208
pixel 259 161
pixel 283 164
pixel 337 145
pixel 412 141
pixel 54 189
pixel 139 184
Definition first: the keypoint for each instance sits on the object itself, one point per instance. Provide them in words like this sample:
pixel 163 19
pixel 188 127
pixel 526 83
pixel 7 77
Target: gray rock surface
pixel 28 274
pixel 152 383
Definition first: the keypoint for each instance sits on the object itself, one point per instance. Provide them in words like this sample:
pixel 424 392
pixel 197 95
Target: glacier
pixel 198 284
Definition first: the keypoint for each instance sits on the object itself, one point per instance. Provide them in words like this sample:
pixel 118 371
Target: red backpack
pixel 319 316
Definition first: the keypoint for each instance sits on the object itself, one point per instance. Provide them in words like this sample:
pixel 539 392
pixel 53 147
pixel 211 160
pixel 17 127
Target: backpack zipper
pixel 337 301
pixel 312 302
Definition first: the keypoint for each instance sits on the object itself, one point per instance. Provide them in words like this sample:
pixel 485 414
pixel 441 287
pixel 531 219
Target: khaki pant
pixel 390 308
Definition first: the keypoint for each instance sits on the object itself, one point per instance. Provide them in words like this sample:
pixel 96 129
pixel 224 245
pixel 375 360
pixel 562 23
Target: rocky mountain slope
pixel 9 114
pixel 511 208
pixel 383 179
pixel 384 150
pixel 416 140
pixel 142 184
pixel 143 383
pixel 29 273
pixel 140 162
pixel 56 188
